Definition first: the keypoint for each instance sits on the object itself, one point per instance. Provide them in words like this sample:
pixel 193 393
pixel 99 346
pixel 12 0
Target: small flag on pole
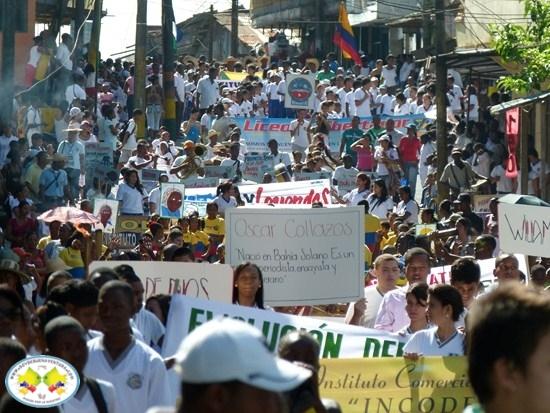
pixel 343 36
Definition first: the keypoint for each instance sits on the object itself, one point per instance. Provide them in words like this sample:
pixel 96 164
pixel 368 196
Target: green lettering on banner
pixel 368 352
pixel 271 342
pixel 386 346
pixel 193 318
pixel 332 348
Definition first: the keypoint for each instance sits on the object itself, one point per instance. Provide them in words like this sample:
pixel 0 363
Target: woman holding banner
pixel 444 309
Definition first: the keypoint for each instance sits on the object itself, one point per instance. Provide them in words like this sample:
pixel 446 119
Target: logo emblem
pixel 300 90
pixel 134 381
pixel 42 381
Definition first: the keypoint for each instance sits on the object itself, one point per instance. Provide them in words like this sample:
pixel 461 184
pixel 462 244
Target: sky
pixel 118 29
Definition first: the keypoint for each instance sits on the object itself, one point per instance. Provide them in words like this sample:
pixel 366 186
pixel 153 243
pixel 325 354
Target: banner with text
pixel 258 131
pixel 524 229
pixel 280 193
pixel 431 384
pixel 211 282
pixel 442 275
pixel 307 256
pixel 336 340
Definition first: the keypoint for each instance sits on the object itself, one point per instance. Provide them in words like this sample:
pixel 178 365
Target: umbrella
pixel 68 214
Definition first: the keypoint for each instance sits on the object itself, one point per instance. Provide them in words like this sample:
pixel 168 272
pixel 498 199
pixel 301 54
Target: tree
pixel 528 45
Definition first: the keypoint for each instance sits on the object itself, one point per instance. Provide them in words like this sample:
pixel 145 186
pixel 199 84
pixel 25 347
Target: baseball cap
pixel 188 144
pixel 225 349
pixel 227 101
pixel 384 138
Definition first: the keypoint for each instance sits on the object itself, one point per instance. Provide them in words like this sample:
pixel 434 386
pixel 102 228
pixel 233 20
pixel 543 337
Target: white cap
pixel 74 112
pixel 225 349
pixel 227 101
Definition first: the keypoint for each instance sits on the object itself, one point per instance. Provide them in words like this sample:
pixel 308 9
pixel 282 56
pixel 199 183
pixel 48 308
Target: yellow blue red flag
pixel 343 36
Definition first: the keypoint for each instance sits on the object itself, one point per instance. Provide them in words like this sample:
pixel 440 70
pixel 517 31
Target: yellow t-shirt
pixel 43 242
pixel 48 118
pixel 72 257
pixel 214 226
pixel 390 239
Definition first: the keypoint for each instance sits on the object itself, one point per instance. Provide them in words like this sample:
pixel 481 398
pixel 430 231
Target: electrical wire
pixel 60 66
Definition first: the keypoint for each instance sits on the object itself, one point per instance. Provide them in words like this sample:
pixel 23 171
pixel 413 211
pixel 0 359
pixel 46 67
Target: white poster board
pixel 307 256
pixel 206 281
pixel 107 212
pixel 300 91
pixel 524 229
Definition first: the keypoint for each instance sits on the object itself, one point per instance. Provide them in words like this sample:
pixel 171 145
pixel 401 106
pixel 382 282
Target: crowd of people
pixel 99 321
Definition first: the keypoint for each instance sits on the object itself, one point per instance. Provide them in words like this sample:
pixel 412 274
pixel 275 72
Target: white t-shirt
pixel 400 110
pixel 73 92
pixel 504 184
pixel 209 92
pixel 271 91
pixel 411 207
pixel 131 143
pixel 374 297
pixel 474 108
pixel 380 209
pixel 131 200
pixel 381 168
pixel 71 152
pixel 300 133
pixel 387 102
pixel 281 90
pixel 389 76
pixel 454 98
pixel 350 100
pixel 246 108
pixel 223 204
pixel 63 55
pixel 345 178
pixel 281 157
pixel 426 343
pixel 363 110
pixel 34 56
pixel 154 197
pixel 83 401
pixel 354 197
pixel 150 326
pixel 138 375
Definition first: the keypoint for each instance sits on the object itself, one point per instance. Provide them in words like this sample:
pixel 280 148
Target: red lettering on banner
pixel 259 194
pixel 247 126
pixel 325 194
pixel 274 127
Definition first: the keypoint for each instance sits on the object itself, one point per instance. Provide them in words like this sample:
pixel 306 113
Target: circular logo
pixel 134 381
pixel 300 90
pixel 42 381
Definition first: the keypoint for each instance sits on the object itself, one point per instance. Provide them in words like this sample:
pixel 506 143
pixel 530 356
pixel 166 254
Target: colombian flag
pixel 343 36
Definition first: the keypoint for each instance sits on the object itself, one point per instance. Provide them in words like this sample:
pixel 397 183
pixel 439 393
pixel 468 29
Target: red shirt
pixel 409 148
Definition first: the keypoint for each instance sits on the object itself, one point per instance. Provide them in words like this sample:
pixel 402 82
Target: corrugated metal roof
pixel 496 109
pixel 247 34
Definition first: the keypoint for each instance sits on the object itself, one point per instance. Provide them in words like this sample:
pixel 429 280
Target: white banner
pixel 442 275
pixel 207 281
pixel 300 91
pixel 307 256
pixel 524 229
pixel 337 340
pixel 280 193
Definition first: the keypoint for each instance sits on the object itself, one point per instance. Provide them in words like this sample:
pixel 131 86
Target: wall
pixel 472 29
pixel 23 43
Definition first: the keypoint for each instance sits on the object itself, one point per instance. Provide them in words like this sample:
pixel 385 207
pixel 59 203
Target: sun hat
pixel 188 145
pixel 212 132
pixel 13 267
pixel 225 349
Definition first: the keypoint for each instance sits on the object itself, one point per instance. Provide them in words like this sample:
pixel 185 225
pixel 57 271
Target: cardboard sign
pixel 171 200
pixel 307 256
pixel 481 203
pixel 255 166
pixel 310 176
pixel 197 182
pixel 107 211
pixel 337 340
pixel 99 165
pixel 209 282
pixel 300 91
pixel 218 171
pixel 524 229
pixel 129 228
pixel 431 384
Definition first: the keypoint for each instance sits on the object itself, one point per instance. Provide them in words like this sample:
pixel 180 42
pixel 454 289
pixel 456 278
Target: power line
pixel 70 55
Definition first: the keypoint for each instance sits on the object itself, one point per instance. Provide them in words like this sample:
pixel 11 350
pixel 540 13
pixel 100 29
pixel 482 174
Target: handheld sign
pixel 307 256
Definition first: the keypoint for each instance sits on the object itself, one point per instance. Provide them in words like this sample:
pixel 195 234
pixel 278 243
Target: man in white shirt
pixel 456 95
pixel 207 90
pixel 426 150
pixel 504 184
pixel 392 315
pixel 385 101
pixel 363 99
pixel 137 372
pixel 154 195
pixel 142 159
pixel 129 141
pixel 73 151
pixel 345 175
pixel 363 312
pixel 279 157
pixel 299 132
pixel 66 339
pixel 407 208
pixel 75 91
pixel 389 73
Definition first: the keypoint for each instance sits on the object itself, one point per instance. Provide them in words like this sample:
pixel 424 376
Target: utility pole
pixel 211 35
pixel 234 27
pixel 168 51
pixel 78 21
pixel 139 65
pixel 93 49
pixel 440 96
pixel 8 60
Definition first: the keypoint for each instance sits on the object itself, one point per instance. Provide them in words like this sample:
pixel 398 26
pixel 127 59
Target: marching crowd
pixel 99 320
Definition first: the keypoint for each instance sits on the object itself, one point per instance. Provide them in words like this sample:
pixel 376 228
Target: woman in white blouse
pixel 386 157
pixel 444 339
pixel 131 194
pixel 380 202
